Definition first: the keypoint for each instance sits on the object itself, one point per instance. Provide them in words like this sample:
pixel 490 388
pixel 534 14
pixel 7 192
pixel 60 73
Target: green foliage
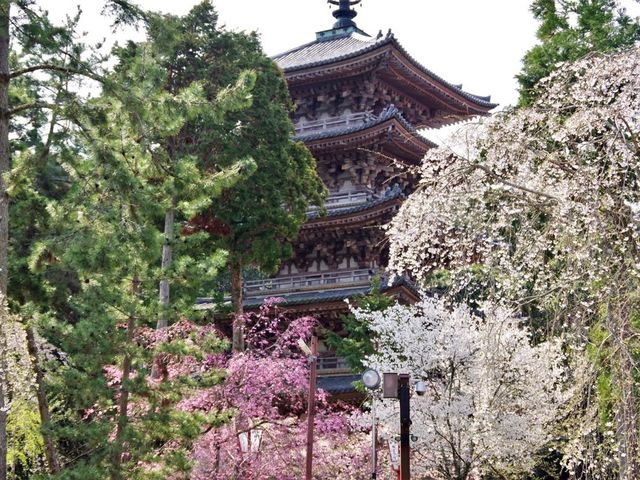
pixel 26 447
pixel 261 216
pixel 569 30
pixel 357 340
pixel 90 262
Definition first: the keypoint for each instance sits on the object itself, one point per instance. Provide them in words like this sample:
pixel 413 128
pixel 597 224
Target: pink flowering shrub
pixel 266 388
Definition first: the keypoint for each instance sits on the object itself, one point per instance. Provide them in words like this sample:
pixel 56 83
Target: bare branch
pixel 56 68
pixel 30 106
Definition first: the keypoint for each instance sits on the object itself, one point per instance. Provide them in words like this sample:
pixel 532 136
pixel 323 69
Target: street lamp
pixel 397 386
pixel 371 380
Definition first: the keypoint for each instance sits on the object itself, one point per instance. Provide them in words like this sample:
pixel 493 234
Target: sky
pixel 477 43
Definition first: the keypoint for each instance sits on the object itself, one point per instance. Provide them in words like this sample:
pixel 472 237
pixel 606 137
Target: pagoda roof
pixel 334 295
pixel 363 207
pixel 407 139
pixel 389 113
pixel 321 52
pixel 368 214
pixel 339 52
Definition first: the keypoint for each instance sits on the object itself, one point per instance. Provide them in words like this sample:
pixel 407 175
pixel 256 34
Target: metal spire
pixel 345 14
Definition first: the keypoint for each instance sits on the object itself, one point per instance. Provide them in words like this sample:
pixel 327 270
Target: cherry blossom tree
pixel 546 200
pixel 491 395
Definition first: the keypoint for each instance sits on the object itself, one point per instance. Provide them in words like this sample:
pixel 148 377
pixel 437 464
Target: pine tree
pixel 568 31
pixel 107 233
pixel 26 100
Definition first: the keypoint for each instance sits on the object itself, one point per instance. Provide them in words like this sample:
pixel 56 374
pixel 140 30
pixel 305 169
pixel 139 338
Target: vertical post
pixel 405 425
pixel 374 439
pixel 311 409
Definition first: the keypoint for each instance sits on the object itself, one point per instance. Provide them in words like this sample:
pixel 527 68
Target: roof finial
pixel 345 14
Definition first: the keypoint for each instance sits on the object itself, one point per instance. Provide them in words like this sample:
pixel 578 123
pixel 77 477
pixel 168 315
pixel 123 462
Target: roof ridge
pixel 435 76
pixel 366 43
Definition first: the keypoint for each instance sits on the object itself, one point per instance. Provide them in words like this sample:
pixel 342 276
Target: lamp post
pixel 371 380
pixel 312 354
pixel 405 425
pixel 397 386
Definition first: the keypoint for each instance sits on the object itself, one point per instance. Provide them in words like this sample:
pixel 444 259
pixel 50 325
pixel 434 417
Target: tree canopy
pixel 568 31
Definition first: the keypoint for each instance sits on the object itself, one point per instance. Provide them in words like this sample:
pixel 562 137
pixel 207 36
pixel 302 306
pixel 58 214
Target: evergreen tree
pixel 568 31
pixel 34 80
pixel 256 220
pixel 107 233
pixel 90 183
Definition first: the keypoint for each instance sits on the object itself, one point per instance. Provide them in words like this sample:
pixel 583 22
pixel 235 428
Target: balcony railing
pixel 314 281
pixel 331 123
pixel 332 365
pixel 341 201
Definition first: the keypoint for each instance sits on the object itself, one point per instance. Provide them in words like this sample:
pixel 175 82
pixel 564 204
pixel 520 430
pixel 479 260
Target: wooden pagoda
pixel 359 103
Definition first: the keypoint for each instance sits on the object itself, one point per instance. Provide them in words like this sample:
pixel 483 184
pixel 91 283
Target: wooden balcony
pixel 332 365
pixel 342 201
pixel 308 282
pixel 334 123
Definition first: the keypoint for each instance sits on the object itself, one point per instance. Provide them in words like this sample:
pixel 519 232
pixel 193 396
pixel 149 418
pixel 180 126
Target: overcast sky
pixel 478 43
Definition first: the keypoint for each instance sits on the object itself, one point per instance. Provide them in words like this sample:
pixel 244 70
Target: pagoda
pixel 360 102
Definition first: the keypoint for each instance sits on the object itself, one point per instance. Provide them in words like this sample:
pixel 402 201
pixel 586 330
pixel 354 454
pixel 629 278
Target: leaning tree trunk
pixel 235 269
pixel 4 212
pixel 43 404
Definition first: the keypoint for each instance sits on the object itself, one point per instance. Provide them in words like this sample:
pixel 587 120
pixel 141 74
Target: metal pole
pixel 374 439
pixel 405 425
pixel 311 409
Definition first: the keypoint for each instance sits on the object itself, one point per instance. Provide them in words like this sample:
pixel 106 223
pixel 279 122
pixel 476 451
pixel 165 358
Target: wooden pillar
pixel 311 410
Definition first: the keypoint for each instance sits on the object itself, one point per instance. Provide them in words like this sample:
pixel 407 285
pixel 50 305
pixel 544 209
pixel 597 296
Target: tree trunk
pixel 235 269
pixel 4 403
pixel 5 163
pixel 627 416
pixel 123 400
pixel 165 286
pixel 43 404
pixel 167 252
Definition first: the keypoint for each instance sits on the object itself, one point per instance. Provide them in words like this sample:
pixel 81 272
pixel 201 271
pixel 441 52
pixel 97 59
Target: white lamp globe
pixel 371 379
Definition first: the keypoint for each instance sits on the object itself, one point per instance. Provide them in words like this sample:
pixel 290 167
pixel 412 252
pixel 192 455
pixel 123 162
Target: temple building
pixel 360 102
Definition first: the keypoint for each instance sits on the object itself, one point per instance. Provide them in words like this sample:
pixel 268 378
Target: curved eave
pixel 368 213
pixel 384 53
pixel 395 132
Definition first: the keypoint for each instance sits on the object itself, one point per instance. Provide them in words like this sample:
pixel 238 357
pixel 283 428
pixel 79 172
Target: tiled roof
pixel 338 384
pixel 387 114
pixel 319 53
pixel 358 208
pixel 302 298
pixel 317 296
pixel 295 298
